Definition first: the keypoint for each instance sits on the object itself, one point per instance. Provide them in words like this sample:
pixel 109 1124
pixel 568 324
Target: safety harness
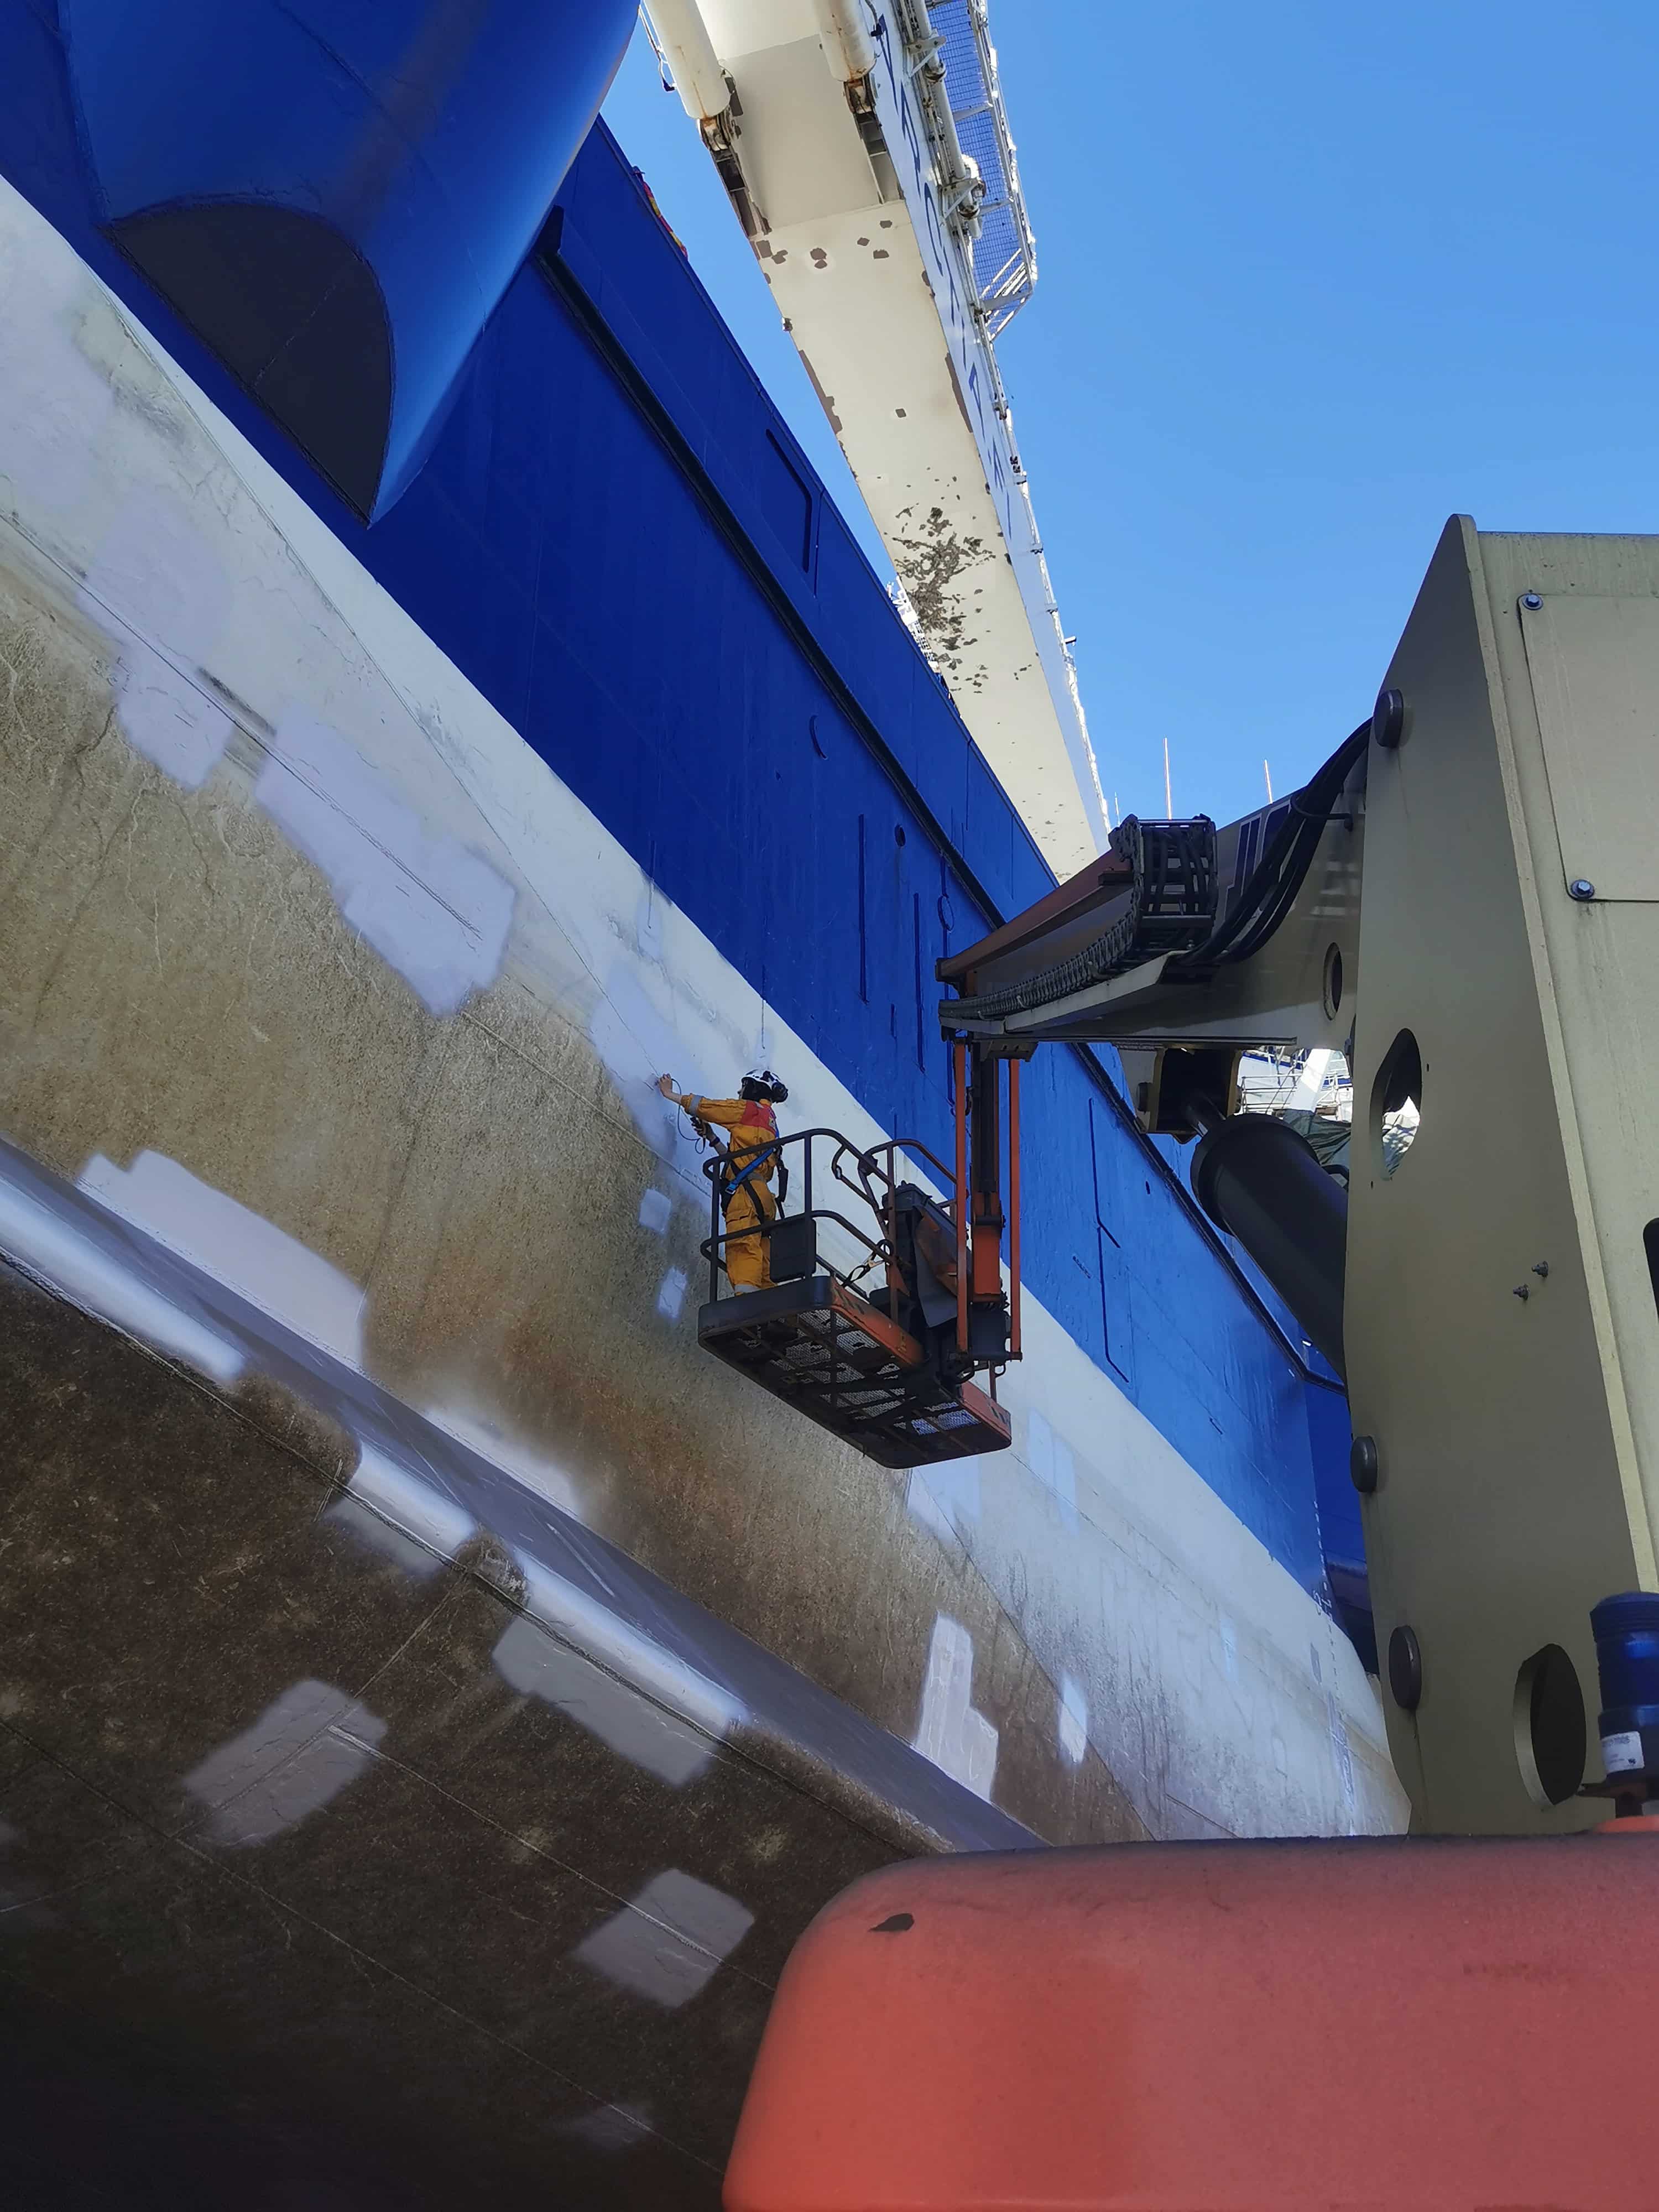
pixel 772 1152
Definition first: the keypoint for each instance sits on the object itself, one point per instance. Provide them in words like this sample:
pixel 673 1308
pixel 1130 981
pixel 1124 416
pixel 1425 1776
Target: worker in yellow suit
pixel 748 1170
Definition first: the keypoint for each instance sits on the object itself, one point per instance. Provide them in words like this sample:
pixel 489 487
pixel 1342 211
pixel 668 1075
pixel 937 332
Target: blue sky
pixel 1312 279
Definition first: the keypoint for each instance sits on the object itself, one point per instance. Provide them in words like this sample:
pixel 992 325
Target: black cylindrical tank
pixel 1263 1184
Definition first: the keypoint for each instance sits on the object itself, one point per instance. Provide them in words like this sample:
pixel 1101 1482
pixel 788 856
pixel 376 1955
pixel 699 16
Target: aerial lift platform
pixel 876 1323
pixel 1465 901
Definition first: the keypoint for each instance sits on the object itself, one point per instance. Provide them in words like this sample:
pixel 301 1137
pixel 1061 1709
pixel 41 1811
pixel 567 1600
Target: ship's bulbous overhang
pixel 295 313
pixel 335 195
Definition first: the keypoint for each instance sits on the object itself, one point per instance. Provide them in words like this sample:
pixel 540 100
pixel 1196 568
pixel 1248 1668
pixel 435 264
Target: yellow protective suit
pixel 753 1126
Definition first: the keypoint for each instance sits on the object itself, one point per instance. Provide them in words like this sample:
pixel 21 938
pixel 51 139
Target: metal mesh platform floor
pixel 825 1351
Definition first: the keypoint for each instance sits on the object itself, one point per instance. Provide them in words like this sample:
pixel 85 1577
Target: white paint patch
pixel 53 401
pixel 1072 1723
pixel 158 590
pixel 411 1503
pixel 303 1750
pixel 671 1295
pixel 1064 1483
pixel 1049 1457
pixel 668 1943
pixel 1342 1752
pixel 960 1742
pixel 518 1459
pixel 656 1212
pixel 227 1239
pixel 638 1042
pixel 78 1267
pixel 591 1625
pixel 920 1505
pixel 945 1498
pixel 432 909
pixel 622 1718
pixel 647 923
pixel 362 1523
pixel 1229 1634
pixel 168 717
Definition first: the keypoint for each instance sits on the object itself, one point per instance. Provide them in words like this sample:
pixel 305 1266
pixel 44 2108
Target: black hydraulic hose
pixel 1102 957
pixel 1265 899
pixel 1271 891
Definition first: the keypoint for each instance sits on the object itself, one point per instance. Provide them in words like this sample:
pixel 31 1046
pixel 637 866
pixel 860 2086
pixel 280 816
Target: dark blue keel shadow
pixel 335 194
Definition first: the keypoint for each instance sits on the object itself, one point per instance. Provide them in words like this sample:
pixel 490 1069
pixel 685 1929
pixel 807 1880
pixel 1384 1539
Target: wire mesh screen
pixel 1004 260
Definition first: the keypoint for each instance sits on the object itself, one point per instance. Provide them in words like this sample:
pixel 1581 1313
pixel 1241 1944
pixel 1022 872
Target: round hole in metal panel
pixel 1551 1732
pixel 1396 1104
pixel 1333 980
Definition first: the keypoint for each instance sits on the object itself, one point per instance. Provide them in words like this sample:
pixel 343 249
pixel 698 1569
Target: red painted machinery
pixel 1401 2026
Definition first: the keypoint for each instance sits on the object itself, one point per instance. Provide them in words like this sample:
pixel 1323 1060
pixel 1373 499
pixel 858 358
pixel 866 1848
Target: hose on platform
pixel 1271 892
pixel 1268 896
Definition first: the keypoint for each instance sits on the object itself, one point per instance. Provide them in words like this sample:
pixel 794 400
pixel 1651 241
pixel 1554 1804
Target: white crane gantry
pixel 868 158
